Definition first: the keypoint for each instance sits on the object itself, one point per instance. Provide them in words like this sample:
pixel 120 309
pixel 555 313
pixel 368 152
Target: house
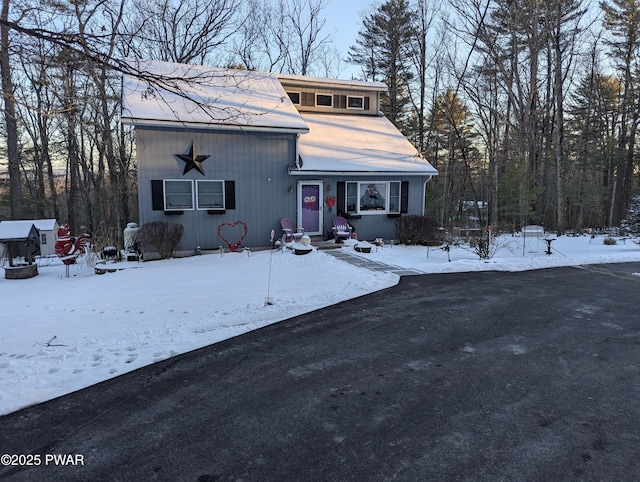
pixel 217 146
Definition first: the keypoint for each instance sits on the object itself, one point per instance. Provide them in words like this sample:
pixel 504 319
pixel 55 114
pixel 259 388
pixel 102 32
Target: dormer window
pixel 295 97
pixel 355 102
pixel 324 100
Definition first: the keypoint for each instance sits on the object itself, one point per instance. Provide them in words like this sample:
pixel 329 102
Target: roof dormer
pixel 333 96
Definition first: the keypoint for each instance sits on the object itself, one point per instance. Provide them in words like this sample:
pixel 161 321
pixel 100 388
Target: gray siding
pixel 264 191
pixel 257 162
pixel 372 226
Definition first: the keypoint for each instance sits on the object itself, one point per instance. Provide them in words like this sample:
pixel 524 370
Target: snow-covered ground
pixel 60 334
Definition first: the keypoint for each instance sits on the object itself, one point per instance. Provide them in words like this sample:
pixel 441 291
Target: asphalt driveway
pixel 469 376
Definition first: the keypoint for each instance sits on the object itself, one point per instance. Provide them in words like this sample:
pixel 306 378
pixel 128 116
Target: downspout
pixel 424 194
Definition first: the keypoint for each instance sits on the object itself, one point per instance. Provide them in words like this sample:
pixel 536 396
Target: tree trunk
pixel 15 185
pixel 559 134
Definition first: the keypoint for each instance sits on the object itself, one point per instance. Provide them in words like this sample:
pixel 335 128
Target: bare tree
pixel 186 32
pixel 71 92
pixel 287 38
pixel 306 23
pixel 11 126
pixel 425 14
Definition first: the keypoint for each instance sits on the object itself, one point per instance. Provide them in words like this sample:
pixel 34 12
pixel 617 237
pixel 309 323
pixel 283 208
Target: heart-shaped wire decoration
pixel 233 247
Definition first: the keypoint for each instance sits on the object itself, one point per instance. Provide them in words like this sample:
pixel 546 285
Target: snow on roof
pixel 15 230
pixel 197 96
pixel 45 224
pixel 357 144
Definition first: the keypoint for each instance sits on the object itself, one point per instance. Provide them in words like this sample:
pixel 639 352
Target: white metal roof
pixel 200 97
pixel 45 224
pixel 358 144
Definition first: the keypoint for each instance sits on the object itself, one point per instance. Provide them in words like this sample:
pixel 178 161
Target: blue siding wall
pixel 256 161
pixel 372 226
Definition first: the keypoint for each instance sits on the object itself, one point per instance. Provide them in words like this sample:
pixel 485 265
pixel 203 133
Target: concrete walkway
pixel 345 254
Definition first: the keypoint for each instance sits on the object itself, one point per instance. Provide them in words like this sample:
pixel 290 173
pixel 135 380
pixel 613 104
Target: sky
pixel 343 21
pixel 60 334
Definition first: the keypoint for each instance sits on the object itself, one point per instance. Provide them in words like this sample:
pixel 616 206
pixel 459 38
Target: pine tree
pixel 381 50
pixel 622 20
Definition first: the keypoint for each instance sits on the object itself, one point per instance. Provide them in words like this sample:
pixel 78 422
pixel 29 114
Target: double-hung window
pixel 373 197
pixel 178 195
pixel 210 194
pixel 174 196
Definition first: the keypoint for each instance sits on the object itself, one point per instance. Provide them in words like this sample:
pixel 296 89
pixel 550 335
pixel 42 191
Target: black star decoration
pixel 193 160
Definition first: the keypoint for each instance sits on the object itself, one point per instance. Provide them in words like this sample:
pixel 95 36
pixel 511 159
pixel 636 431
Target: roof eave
pixel 201 125
pixel 302 172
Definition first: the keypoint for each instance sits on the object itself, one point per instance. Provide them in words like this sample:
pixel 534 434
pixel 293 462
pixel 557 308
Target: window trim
pixel 164 195
pixel 359 192
pixel 361 97
pixel 330 96
pixel 209 208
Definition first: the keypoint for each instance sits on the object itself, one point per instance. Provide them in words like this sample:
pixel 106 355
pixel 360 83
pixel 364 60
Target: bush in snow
pixel 487 246
pixel 416 230
pixel 163 236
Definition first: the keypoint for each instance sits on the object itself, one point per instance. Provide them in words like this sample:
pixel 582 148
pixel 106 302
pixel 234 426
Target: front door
pixel 310 207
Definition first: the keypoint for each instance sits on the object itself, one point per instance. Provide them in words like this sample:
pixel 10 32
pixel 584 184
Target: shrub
pixel 487 246
pixel 163 236
pixel 482 247
pixel 609 241
pixel 415 230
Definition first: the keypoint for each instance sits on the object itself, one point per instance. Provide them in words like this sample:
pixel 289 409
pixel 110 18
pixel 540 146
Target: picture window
pixel 373 197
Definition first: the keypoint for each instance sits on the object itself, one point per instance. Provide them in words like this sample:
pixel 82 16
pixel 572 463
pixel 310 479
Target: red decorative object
pixel 233 247
pixel 331 201
pixel 68 248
